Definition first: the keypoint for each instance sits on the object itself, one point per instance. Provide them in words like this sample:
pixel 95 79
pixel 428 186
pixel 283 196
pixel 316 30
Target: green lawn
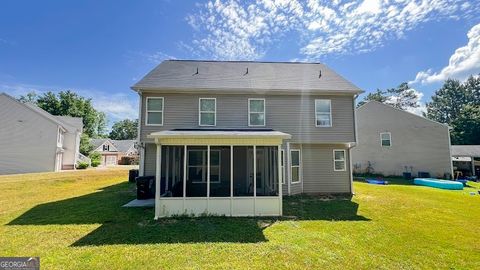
pixel 73 220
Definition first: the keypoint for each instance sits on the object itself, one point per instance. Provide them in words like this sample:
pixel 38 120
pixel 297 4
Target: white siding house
pixel 32 140
pixel 392 141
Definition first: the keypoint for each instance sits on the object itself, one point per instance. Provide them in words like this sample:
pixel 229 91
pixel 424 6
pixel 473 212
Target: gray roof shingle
pixel 244 76
pixel 465 150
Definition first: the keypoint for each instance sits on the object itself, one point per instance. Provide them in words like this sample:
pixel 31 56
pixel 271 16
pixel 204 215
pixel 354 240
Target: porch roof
pixel 220 136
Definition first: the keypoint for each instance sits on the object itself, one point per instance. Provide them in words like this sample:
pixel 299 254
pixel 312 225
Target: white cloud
pixel 463 63
pixel 421 107
pixel 116 106
pixel 228 29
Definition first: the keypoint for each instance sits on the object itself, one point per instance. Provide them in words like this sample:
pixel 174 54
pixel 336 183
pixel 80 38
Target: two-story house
pixel 32 140
pixel 112 151
pixel 230 138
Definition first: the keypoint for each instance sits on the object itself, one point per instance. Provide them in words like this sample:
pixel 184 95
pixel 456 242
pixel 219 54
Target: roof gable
pixel 372 103
pixel 244 75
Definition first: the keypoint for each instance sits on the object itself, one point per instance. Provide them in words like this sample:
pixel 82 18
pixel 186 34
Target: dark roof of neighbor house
pixel 465 150
pixel 194 75
pixel 121 145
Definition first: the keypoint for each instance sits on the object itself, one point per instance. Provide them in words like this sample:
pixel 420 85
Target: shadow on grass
pixel 121 225
pixel 309 207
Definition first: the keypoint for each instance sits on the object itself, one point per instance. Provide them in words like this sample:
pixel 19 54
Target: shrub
pixel 95 156
pixel 82 165
pixel 95 163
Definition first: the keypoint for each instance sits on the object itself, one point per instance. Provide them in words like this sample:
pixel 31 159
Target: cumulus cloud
pixel 463 63
pixel 234 29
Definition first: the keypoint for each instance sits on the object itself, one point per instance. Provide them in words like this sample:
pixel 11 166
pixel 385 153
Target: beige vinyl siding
pixel 415 141
pixel 28 141
pixel 150 162
pixel 318 172
pixel 293 114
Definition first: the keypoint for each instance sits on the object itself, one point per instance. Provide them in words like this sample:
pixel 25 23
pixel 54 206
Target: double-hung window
pixel 256 112
pixel 386 139
pixel 207 112
pixel 339 164
pixel 154 114
pixel 197 165
pixel 323 112
pixel 295 165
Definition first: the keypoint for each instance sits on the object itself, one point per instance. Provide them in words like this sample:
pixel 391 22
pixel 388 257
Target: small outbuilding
pixel 392 141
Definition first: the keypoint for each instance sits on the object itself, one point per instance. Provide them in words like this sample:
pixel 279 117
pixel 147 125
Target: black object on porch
pixel 132 175
pixel 145 187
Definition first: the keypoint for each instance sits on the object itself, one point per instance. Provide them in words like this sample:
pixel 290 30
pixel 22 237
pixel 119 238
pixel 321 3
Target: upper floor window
pixel 207 114
pixel 339 160
pixel 323 113
pixel 154 108
pixel 256 112
pixel 386 139
pixel 106 147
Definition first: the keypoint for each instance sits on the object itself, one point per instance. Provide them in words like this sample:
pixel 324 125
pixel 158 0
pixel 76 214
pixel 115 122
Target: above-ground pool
pixel 438 183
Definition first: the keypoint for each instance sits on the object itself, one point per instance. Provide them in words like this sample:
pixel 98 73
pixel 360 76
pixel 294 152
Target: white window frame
pixel 200 112
pixel 204 156
pixel 282 165
pixel 147 111
pixel 340 160
pixel 330 113
pixel 389 139
pixel 299 166
pixel 264 112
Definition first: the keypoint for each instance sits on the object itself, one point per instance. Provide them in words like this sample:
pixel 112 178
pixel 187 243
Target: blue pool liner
pixel 438 183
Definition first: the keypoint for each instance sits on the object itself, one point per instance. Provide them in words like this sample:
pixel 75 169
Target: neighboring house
pixel 392 141
pixel 113 151
pixel 221 137
pixel 466 159
pixel 32 140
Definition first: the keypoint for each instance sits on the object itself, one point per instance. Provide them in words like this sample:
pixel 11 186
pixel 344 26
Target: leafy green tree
pixel 68 103
pixel 458 105
pixel 447 102
pixel 30 97
pixel 86 147
pixel 401 97
pixel 378 95
pixel 124 130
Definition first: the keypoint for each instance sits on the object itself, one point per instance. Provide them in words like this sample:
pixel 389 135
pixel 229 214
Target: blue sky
pixel 100 48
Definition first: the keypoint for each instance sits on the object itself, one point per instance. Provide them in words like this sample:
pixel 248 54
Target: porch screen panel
pixel 243 171
pixel 267 171
pixel 171 184
pixel 220 171
pixel 196 171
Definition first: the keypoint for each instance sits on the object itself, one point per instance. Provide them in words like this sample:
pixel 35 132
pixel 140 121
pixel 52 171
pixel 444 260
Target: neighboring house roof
pixel 465 150
pixel 227 76
pixel 66 122
pixel 373 102
pixel 123 145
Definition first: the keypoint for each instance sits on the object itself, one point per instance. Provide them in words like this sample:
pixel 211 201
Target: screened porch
pixel 218 173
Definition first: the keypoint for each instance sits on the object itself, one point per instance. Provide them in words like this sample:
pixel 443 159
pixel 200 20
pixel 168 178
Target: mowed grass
pixel 73 220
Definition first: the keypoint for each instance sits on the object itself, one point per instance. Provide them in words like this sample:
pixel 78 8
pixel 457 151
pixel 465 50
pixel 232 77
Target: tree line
pixel 456 104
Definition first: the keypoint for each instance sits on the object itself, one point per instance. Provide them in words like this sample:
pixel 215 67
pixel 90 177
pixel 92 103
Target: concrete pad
pixel 141 203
